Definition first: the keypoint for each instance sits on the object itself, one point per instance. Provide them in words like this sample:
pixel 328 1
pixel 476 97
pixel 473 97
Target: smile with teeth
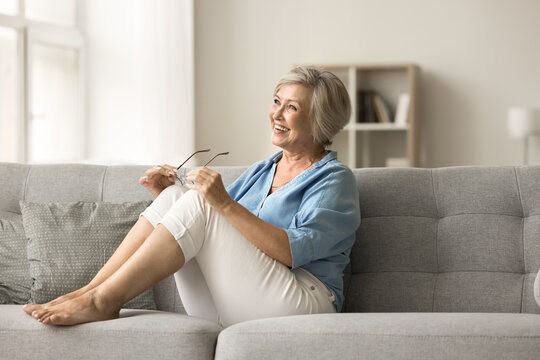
pixel 280 128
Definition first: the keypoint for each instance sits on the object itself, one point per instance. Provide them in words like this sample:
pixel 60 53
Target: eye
pixel 276 101
pixel 292 107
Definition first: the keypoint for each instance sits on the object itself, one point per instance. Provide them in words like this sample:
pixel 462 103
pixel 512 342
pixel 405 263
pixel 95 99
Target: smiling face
pixel 289 119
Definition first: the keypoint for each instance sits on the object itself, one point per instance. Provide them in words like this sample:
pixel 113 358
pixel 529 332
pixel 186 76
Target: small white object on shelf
pixel 397 162
pixel 402 109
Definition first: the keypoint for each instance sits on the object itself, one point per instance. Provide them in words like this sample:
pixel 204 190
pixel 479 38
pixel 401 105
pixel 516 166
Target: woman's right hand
pixel 158 178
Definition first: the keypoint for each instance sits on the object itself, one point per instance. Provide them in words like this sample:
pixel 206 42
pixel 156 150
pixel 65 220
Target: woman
pixel 274 243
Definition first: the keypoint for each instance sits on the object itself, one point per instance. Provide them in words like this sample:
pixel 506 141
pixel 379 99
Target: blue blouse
pixel 319 210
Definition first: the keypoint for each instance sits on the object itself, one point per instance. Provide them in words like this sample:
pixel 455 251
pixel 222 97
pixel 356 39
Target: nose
pixel 278 112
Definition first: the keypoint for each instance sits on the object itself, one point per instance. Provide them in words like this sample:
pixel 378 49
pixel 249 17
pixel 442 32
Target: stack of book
pixel 373 108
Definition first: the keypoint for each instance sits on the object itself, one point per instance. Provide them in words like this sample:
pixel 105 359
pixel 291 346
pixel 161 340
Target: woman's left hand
pixel 209 184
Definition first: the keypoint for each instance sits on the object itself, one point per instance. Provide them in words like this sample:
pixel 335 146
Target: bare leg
pixel 158 257
pixel 133 240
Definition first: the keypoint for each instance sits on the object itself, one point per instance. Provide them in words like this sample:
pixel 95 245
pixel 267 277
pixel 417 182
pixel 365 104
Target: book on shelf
pixel 402 109
pixel 372 108
pixel 382 109
pixel 365 111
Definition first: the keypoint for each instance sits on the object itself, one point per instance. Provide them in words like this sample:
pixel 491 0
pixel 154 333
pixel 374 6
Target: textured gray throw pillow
pixel 69 242
pixel 14 277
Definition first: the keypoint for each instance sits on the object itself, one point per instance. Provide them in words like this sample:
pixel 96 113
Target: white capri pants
pixel 225 278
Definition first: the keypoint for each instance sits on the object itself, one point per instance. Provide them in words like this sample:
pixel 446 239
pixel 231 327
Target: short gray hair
pixel 330 105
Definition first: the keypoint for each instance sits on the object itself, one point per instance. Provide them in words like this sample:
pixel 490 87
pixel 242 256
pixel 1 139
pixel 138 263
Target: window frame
pixel 36 32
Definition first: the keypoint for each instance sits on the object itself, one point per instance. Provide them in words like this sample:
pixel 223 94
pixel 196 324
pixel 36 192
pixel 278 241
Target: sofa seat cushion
pixel 384 336
pixel 137 334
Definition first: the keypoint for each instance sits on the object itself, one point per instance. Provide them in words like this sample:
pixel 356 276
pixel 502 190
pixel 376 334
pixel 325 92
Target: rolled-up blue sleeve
pixel 326 222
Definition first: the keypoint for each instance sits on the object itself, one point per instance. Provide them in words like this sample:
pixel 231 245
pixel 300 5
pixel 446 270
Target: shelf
pixel 366 144
pixel 376 127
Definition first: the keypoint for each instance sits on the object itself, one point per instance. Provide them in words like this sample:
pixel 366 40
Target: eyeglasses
pixel 182 177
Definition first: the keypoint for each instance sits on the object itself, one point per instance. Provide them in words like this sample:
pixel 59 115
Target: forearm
pixel 270 239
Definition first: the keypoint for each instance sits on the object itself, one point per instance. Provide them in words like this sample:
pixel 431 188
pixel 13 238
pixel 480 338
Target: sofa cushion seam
pixel 436 242
pixel 26 184
pixel 103 182
pixel 444 272
pixel 265 333
pixel 447 216
pixel 163 333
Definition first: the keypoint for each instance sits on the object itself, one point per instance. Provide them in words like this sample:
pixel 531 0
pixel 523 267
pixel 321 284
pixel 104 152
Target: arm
pixel 270 239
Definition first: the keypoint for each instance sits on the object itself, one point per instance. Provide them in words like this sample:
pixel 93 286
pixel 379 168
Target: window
pixel 41 82
pixel 9 7
pixel 8 91
pixel 61 12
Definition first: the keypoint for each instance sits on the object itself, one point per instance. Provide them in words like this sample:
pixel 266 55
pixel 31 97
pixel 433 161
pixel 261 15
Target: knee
pixel 172 192
pixel 194 197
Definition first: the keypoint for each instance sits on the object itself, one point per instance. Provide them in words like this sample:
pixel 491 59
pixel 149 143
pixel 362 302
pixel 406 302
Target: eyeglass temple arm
pixel 190 156
pixel 215 156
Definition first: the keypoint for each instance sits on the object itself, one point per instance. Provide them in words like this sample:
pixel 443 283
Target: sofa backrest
pixel 83 182
pixel 459 239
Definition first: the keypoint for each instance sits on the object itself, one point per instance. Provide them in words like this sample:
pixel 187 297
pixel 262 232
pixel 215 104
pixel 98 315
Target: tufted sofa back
pixel 459 239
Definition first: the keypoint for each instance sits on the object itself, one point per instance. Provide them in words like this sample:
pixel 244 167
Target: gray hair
pixel 330 105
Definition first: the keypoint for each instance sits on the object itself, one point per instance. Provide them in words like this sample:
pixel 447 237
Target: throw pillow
pixel 15 281
pixel 69 242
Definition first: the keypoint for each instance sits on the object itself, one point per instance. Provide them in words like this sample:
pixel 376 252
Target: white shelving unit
pixel 372 144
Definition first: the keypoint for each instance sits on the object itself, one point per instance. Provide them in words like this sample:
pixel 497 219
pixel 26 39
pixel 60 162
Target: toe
pixel 54 320
pixel 29 308
pixel 41 315
pixel 46 320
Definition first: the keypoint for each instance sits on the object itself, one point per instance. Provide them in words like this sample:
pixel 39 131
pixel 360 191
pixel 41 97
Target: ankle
pixel 88 287
pixel 105 302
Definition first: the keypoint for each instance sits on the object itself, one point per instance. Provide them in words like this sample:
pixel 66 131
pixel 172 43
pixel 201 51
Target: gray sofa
pixel 443 267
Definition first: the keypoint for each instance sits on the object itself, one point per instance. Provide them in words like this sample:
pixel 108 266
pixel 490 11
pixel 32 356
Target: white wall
pixel 140 80
pixel 477 58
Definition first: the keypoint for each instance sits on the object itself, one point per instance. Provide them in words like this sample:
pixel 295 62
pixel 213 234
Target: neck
pixel 305 158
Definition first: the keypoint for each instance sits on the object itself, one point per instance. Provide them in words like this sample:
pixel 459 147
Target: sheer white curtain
pixel 8 92
pixel 55 131
pixel 140 80
pixel 167 93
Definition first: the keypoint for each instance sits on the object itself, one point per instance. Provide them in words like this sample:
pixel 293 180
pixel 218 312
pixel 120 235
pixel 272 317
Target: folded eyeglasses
pixel 182 177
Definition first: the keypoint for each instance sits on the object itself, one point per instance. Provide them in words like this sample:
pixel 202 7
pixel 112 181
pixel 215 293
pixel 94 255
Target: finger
pixel 167 171
pixel 208 171
pixel 211 176
pixel 198 176
pixel 152 171
pixel 168 167
pixel 195 187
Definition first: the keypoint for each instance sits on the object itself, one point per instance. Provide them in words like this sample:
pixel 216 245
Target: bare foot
pixel 30 308
pixel 89 307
